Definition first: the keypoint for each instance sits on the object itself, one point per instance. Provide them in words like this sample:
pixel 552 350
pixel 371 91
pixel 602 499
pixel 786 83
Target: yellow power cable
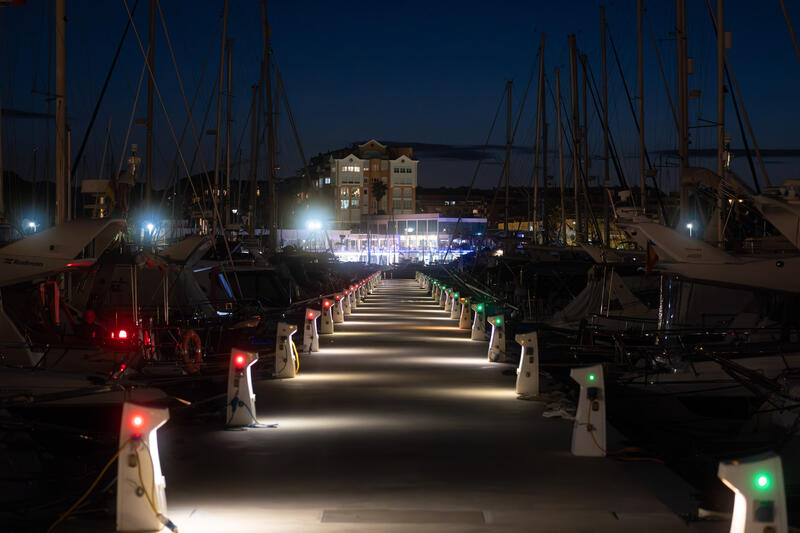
pixel 152 480
pixel 89 490
pixel 296 357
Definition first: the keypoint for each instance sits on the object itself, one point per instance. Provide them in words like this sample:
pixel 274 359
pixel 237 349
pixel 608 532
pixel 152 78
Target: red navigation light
pixel 338 297
pixel 346 292
pixel 310 315
pixel 351 287
pixel 137 421
pixel 239 361
pixel 78 264
pixel 326 304
pixel 123 334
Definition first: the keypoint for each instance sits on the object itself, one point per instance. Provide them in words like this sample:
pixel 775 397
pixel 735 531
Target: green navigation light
pixel 455 295
pixel 591 377
pixel 498 321
pixel 762 481
pixel 480 307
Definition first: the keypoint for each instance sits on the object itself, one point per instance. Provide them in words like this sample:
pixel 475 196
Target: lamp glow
pixel 480 307
pixel 591 377
pixel 498 321
pixel 762 481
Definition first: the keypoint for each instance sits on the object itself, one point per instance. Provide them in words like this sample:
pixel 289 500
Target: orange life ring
pixel 191 351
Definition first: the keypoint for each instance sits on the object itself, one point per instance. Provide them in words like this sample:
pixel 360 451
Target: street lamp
pixel 689 226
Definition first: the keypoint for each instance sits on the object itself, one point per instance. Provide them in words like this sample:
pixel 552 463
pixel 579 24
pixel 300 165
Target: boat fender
pixel 192 351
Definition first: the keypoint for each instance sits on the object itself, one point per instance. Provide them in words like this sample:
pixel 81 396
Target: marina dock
pixel 400 423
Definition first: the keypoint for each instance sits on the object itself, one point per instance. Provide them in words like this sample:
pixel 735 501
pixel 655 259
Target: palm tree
pixel 379 190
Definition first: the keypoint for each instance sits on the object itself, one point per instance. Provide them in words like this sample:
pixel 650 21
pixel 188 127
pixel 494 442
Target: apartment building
pixel 355 176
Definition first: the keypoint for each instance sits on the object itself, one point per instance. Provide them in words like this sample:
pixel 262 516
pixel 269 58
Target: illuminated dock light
pixel 759 503
pixel 589 427
pixel 479 324
pixel 528 371
pixel 141 496
pixel 497 339
pixel 338 309
pixel 287 360
pixel 241 406
pixel 310 333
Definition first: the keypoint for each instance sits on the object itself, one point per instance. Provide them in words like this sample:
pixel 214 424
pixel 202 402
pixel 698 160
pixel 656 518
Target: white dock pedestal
pixel 589 428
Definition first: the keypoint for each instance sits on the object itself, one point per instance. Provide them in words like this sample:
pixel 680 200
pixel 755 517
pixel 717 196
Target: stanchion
pixel 479 323
pixel 310 333
pixel 346 307
pixel 455 306
pixel 353 297
pixel 286 357
pixel 338 310
pixel 760 494
pixel 528 371
pixel 589 427
pixel 464 319
pixel 326 323
pixel 241 409
pixel 497 340
pixel 141 496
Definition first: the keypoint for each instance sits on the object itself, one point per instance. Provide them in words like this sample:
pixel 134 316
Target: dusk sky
pixel 417 72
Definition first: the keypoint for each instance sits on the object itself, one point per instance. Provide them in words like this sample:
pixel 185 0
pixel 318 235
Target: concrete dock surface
pixel 400 424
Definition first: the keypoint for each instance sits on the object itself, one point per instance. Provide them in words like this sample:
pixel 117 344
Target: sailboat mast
pixel 720 112
pixel 273 223
pixel 228 196
pixel 585 145
pixel 148 165
pixel 539 108
pixel 683 106
pixel 220 89
pixel 251 222
pixel 508 150
pixel 559 135
pixel 61 113
pixel 542 210
pixel 576 126
pixel 639 12
pixel 606 181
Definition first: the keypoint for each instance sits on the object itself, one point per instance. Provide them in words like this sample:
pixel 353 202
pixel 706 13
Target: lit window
pixel 354 198
pixel 344 204
pixel 327 181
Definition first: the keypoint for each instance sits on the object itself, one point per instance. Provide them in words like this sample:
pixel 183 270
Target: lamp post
pixel 689 226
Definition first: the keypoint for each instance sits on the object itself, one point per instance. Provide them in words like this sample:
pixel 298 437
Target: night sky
pixel 415 72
